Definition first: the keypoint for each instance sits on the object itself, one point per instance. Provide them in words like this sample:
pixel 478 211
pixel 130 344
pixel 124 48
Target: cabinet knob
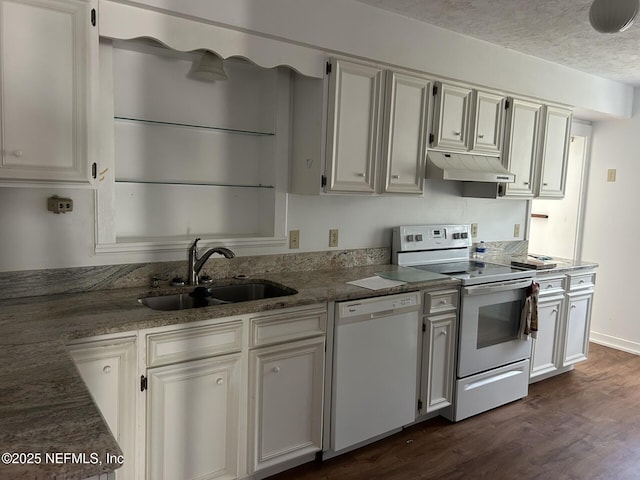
pixel 481 135
pixel 525 183
pixel 581 280
pixel 550 285
pixel 574 306
pixel 555 310
pixel 220 381
pixel 395 176
pixel 13 153
pixel 545 184
pixel 457 134
pixel 361 174
pixel 276 369
pixel 443 302
pixel 443 332
pixel 106 369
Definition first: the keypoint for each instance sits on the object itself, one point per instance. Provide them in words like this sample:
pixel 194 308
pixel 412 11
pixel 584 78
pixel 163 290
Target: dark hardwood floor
pixel 584 424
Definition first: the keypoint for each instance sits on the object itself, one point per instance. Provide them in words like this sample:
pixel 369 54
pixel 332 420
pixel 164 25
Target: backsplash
pixel 83 279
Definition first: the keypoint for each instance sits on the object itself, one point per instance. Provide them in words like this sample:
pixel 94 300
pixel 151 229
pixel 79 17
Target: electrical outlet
pixel 474 230
pixel 57 204
pixel 294 238
pixel 333 237
pixel 516 230
pixel 611 175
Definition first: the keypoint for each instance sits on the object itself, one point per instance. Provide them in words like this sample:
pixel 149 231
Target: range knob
pixel 456 236
pixel 409 238
pixel 419 237
pixel 464 235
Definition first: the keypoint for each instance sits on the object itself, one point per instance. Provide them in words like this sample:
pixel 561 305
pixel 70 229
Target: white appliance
pixel 493 362
pixel 375 377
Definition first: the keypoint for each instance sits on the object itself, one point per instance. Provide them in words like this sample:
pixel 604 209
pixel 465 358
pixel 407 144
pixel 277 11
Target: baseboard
pixel 615 342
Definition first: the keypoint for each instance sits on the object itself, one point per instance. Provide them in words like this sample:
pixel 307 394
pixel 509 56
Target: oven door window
pixel 498 323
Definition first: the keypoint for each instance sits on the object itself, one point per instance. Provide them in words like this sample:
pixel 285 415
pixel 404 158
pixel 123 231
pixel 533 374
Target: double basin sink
pixel 217 295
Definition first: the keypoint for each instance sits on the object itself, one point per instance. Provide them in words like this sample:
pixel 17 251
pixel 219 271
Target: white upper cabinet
pixel 468 120
pixel 354 113
pixel 488 125
pixel 521 146
pixel 376 131
pixel 552 168
pixel 405 139
pixel 45 86
pixel 451 117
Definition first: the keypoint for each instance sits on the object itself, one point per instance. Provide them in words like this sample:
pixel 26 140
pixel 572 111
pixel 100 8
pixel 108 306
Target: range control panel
pixel 430 237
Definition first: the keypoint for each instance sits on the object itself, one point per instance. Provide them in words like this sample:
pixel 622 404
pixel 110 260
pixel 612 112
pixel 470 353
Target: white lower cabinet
pixel 438 350
pixel 107 367
pixel 546 346
pixel 564 321
pixel 193 419
pixel 286 401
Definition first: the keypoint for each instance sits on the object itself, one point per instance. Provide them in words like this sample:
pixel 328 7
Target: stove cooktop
pixel 473 272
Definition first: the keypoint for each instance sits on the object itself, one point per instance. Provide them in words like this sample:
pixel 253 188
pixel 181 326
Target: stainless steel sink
pixel 217 295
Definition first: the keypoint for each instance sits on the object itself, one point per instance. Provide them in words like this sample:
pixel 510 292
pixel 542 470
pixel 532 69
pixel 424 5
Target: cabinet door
pixel 108 369
pixel 451 117
pixel 521 143
pixel 555 150
pixel 438 362
pixel 489 123
pixel 577 327
pixel 44 86
pixel 286 401
pixel 192 419
pixel 355 108
pixel 545 356
pixel 405 135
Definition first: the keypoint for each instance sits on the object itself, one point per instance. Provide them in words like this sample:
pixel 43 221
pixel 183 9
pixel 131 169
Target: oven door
pixel 489 325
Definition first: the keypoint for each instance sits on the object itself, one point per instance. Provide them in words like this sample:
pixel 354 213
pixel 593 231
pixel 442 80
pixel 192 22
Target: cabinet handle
pixel 545 184
pixel 276 369
pixel 481 135
pixel 443 332
pixel 106 369
pixel 220 381
pixel 581 280
pixel 361 174
pixel 574 306
pixel 555 310
pixel 443 302
pixel 14 153
pixel 525 183
pixel 457 134
pixel 550 285
pixel 395 176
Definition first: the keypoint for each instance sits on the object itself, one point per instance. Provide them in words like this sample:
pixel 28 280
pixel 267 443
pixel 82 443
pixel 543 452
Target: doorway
pixel 555 227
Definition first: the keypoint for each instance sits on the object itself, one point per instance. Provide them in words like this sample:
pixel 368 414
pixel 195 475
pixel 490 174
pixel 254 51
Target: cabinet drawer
pixel 193 343
pixel 288 325
pixel 581 280
pixel 440 301
pixel 551 285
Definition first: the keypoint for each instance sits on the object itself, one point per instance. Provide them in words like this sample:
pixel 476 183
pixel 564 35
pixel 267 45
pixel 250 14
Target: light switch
pixel 611 175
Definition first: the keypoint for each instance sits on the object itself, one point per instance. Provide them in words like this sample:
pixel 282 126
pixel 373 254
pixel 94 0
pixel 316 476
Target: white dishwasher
pixel 375 369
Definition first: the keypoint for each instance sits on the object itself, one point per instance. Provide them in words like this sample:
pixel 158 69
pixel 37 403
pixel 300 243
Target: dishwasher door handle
pixel 383 313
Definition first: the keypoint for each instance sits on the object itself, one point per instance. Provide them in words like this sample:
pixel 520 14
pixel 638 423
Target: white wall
pixel 33 238
pixel 350 27
pixel 612 229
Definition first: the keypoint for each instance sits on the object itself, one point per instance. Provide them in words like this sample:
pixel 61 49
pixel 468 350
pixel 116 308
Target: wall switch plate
pixel 294 238
pixel 516 230
pixel 611 175
pixel 474 230
pixel 333 237
pixel 57 204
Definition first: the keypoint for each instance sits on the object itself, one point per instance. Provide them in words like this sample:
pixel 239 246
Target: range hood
pixel 467 168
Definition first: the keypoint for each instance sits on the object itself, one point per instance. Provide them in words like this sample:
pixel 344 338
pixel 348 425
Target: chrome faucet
pixel 196 264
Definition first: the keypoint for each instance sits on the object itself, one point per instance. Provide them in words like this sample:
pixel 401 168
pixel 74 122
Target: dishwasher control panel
pixel 378 306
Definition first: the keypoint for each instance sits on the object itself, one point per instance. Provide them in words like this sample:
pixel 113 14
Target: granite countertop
pixel 45 407
pixel 563 265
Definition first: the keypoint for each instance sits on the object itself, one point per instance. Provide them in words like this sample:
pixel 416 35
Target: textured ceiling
pixel 555 30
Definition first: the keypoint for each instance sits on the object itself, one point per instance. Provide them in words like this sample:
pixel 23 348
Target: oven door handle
pixel 497 287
